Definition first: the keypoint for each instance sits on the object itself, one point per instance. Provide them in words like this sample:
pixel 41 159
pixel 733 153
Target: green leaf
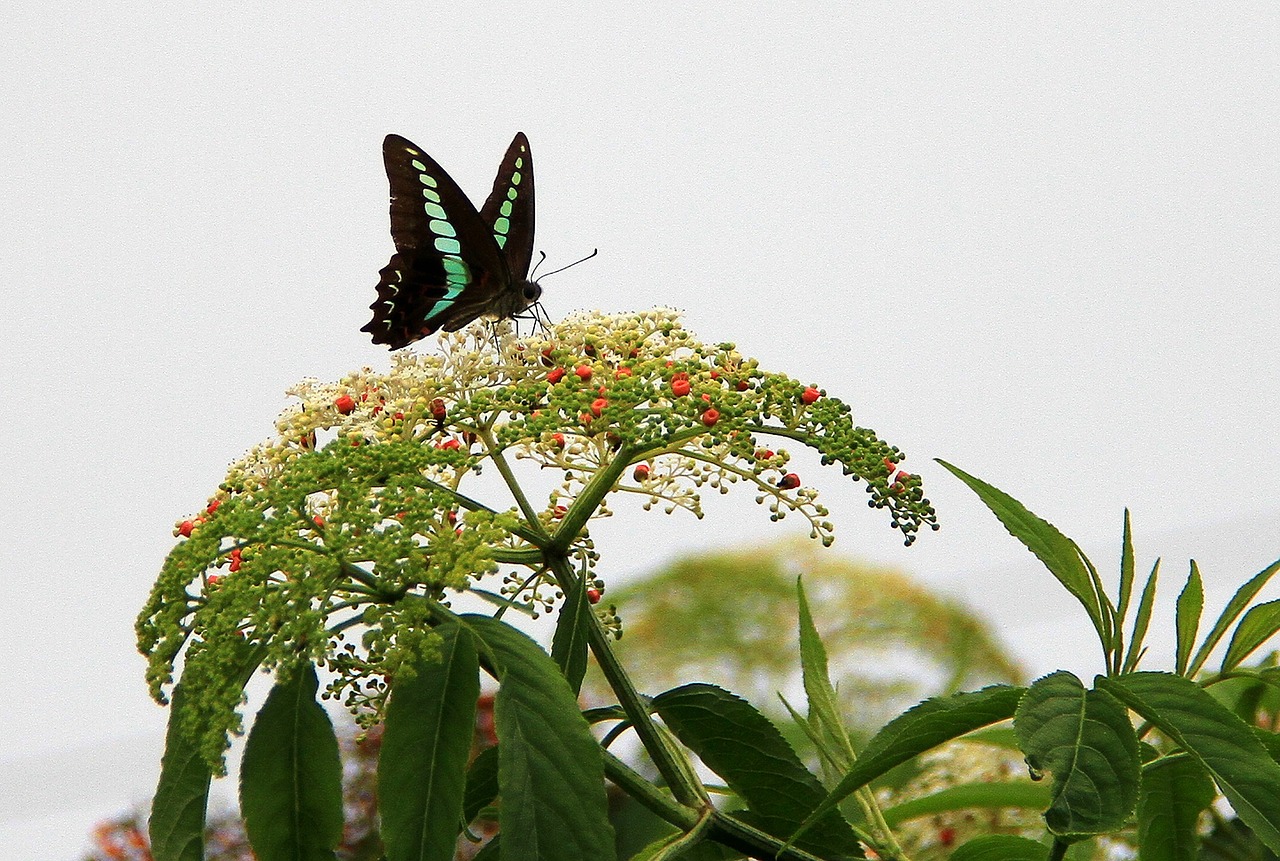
pixel 176 825
pixel 1230 613
pixel 1001 847
pixel 966 796
pixel 824 707
pixel 431 724
pixel 743 747
pixel 178 809
pixel 1232 840
pixel 1126 570
pixel 1175 790
pixel 550 769
pixel 921 728
pixel 1084 738
pixel 291 777
pixel 1190 603
pixel 1058 553
pixel 996 736
pixel 482 783
pixel 1270 740
pixel 1221 742
pixel 1141 619
pixel 569 643
pixel 1257 626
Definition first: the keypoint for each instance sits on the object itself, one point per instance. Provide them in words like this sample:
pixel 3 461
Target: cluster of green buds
pixel 329 542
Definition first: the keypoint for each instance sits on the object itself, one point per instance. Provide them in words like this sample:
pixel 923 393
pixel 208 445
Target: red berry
pixel 707 398
pixel 679 387
pixel 559 512
pixel 743 385
pixel 558 439
pixel 212 579
pixel 555 375
pixel 641 472
pixel 185 528
pixel 453 518
pixel 590 350
pixel 890 465
pixel 763 454
pixel 710 417
pixel 810 395
pixel 624 371
pixel 715 375
pixel 583 372
pixel 398 417
pixel 593 595
pixel 438 410
pixel 344 404
pixel 235 559
pixel 318 521
pixel 790 481
pixel 449 445
pixel 598 405
pixel 213 506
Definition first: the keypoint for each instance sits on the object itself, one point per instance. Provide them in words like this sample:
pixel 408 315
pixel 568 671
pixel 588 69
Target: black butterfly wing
pixel 509 209
pixel 447 269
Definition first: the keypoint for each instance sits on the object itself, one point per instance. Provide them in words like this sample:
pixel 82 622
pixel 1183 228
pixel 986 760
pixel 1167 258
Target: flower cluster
pixel 354 517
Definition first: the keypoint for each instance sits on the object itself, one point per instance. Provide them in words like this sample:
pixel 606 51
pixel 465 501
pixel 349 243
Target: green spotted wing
pixel 452 264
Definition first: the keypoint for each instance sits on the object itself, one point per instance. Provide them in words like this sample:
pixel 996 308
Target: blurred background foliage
pixel 729 618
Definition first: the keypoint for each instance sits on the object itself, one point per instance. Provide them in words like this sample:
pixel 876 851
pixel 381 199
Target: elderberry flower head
pixel 356 517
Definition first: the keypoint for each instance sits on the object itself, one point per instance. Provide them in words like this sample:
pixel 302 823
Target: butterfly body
pixel 453 264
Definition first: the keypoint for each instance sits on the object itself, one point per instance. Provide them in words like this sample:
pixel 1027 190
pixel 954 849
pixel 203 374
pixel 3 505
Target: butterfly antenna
pixel 536 265
pixel 593 253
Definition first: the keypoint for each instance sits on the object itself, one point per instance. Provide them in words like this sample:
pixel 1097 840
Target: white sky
pixel 1041 241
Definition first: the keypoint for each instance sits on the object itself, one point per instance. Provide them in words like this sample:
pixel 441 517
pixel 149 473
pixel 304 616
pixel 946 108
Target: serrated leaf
pixel 431 723
pixel 1175 791
pixel 1126 570
pixel 1141 619
pixel 1085 740
pixel 291 776
pixel 176 823
pixel 1222 743
pixel 1058 553
pixel 743 747
pixel 1232 840
pixel 824 707
pixel 569 643
pixel 921 728
pixel 1239 601
pixel 1190 603
pixel 995 794
pixel 1258 625
pixel 1001 847
pixel 549 765
pixel 482 783
pixel 996 736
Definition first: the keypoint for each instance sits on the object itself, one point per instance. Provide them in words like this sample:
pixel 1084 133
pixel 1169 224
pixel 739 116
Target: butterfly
pixel 453 264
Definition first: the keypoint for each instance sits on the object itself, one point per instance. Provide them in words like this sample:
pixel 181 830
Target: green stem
pixel 504 469
pixel 675 773
pixel 588 501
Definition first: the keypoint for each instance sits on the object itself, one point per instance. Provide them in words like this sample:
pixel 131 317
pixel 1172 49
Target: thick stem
pixel 664 758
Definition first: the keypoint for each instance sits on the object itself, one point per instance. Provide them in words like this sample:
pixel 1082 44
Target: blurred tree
pixel 730 618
